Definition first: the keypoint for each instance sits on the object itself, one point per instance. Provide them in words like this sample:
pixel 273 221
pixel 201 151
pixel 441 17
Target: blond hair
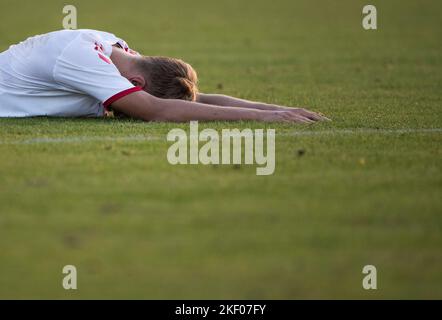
pixel 169 78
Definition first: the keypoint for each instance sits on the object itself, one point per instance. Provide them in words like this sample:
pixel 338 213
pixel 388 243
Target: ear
pixel 138 81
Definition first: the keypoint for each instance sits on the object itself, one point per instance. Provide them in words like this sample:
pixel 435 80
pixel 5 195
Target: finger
pixel 306 114
pixel 323 117
pixel 307 120
pixel 317 116
pixel 302 119
pixel 312 115
pixel 297 117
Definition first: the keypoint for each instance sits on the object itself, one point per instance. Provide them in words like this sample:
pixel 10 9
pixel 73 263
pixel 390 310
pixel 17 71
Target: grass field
pixel 100 194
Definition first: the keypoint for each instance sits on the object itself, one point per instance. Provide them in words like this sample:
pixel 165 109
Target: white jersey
pixel 64 73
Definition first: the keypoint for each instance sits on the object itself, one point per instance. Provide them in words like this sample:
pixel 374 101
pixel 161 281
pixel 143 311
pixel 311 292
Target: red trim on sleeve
pixel 120 95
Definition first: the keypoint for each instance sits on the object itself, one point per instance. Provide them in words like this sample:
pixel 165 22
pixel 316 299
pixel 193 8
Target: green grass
pixel 137 227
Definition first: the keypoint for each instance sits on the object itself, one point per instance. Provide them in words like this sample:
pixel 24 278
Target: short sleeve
pixel 85 67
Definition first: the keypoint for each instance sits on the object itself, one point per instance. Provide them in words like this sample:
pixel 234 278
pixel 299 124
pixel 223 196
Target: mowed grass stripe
pixel 143 138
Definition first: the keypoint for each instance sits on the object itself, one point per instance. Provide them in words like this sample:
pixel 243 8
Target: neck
pixel 123 61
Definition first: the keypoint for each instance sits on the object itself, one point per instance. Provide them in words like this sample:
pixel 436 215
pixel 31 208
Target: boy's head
pixel 168 78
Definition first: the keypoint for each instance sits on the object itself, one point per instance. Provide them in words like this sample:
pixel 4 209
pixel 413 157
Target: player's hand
pixel 300 113
pixel 314 116
pixel 292 115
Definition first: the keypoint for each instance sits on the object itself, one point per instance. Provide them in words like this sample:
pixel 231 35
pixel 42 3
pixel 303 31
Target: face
pixel 133 52
pixel 119 57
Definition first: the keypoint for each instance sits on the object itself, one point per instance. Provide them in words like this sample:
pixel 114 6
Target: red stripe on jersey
pixel 120 95
pixel 104 58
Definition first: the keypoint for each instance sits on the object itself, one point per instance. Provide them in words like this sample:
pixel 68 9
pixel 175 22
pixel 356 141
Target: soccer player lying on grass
pixel 88 73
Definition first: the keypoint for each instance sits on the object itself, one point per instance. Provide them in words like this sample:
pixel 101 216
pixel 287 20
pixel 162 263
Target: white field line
pixel 363 131
pixel 143 138
pixel 81 139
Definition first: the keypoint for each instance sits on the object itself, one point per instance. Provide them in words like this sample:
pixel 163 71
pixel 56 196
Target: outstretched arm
pixel 223 100
pixel 141 105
